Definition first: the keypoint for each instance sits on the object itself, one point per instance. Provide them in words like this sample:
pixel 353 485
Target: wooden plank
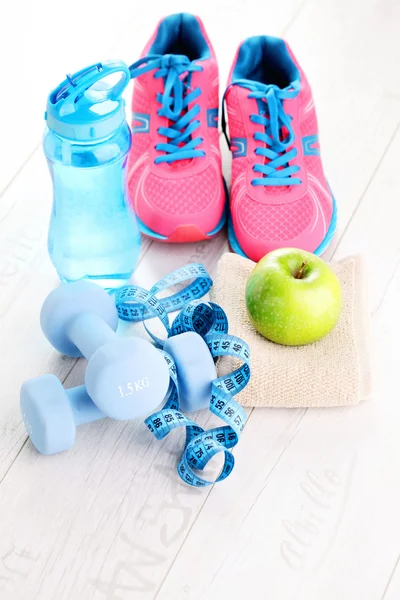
pixel 373 230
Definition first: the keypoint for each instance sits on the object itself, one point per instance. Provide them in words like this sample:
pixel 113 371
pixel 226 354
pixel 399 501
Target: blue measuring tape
pixel 210 321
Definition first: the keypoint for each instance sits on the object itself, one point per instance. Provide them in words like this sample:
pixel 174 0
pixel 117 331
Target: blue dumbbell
pixel 51 413
pixel 125 378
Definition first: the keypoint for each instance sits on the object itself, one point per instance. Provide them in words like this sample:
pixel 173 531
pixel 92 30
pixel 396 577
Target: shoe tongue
pixel 269 189
pixel 263 110
pixel 180 164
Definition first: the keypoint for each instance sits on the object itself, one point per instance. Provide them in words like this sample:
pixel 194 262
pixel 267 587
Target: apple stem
pixel 301 270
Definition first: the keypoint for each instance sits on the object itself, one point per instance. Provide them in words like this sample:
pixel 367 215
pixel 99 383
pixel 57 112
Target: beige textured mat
pixel 335 371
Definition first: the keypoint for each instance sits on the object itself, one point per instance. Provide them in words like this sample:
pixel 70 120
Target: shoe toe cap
pixel 167 203
pixel 260 228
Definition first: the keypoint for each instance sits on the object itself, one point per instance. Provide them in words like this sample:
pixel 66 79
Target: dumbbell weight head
pixel 195 369
pixel 67 303
pixel 128 378
pixel 52 413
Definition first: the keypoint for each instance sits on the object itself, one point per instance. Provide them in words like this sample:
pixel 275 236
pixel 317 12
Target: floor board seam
pixel 396 564
pixel 19 170
pixel 13 461
pixel 369 182
pixel 294 18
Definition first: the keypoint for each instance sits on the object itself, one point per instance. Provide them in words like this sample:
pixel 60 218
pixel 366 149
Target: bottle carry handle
pixel 72 91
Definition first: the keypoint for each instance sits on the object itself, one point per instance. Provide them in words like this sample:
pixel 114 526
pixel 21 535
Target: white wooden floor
pixel 312 510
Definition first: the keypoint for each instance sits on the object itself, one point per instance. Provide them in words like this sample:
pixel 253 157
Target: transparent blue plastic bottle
pixel 93 230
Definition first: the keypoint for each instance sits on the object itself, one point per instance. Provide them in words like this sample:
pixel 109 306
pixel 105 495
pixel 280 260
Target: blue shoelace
pixel 275 148
pixel 176 70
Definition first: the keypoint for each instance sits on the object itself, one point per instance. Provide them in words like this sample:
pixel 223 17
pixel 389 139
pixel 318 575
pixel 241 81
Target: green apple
pixel 293 297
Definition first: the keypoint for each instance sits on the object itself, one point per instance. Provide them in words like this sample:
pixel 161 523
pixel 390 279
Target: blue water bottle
pixel 93 230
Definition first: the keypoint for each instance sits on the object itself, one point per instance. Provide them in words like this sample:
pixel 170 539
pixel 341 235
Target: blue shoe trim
pixel 157 236
pixel 221 223
pixel 330 233
pixel 234 243
pixel 149 232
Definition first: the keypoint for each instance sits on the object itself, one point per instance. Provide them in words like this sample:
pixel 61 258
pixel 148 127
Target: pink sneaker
pixel 174 172
pixel 279 194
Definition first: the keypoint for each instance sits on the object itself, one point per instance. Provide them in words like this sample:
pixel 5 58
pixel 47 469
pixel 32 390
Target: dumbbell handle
pixel 83 407
pixel 89 332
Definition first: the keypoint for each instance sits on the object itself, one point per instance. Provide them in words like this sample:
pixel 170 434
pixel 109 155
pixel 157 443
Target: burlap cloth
pixel 335 371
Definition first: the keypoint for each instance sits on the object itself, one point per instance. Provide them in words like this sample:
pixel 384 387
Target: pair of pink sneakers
pixel 279 195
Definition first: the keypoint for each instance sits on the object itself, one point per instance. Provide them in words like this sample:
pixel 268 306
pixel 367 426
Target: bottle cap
pixel 88 105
